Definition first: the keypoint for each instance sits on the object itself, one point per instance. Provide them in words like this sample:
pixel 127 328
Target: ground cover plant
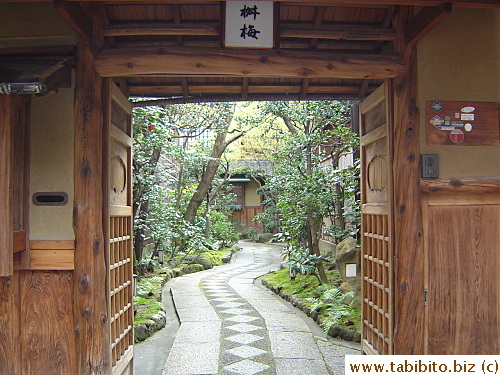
pixel 325 302
pixel 147 301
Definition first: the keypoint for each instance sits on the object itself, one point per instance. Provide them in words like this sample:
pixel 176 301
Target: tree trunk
pixel 312 230
pixel 339 203
pixel 314 245
pixel 207 178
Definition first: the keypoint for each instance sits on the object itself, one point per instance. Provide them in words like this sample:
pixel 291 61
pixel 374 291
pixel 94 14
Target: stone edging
pixel 347 334
pixel 158 321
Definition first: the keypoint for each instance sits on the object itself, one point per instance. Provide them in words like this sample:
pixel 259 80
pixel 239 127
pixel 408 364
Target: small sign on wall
pixel 249 24
pixel 462 123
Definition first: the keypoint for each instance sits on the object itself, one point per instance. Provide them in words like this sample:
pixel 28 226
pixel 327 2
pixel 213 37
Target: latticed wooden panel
pixel 377 281
pixel 121 293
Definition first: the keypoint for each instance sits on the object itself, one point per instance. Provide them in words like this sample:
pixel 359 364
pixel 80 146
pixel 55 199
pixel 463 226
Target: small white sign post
pixel 249 24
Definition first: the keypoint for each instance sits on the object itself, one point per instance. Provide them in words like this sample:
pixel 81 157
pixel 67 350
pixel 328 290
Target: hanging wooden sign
pixel 249 24
pixel 462 123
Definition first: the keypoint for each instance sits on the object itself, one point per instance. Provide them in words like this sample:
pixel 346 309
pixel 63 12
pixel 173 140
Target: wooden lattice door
pixel 119 231
pixel 376 222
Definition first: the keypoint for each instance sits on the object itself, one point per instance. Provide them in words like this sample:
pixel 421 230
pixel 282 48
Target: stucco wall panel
pixel 460 61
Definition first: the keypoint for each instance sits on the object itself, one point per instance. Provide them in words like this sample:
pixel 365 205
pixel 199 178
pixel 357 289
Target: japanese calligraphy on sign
pixel 249 24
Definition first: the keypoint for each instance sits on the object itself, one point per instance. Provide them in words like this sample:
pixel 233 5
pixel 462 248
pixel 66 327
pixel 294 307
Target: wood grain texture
pixel 52 259
pixel 463 279
pixel 246 216
pixel 10 319
pixel 6 241
pixel 76 17
pixel 409 267
pixel 490 4
pixel 304 31
pixel 483 120
pixel 52 244
pixel 377 241
pixel 244 63
pixel 425 20
pixel 480 185
pixel 161 29
pixel 90 302
pixel 47 334
pixel 19 241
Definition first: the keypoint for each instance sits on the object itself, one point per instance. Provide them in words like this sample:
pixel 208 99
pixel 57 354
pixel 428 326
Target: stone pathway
pixel 230 326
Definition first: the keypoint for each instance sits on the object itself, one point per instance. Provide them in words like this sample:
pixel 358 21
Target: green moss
pixel 311 293
pixel 216 255
pixel 145 309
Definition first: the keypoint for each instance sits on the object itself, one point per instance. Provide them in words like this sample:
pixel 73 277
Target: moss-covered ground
pixel 148 288
pixel 329 303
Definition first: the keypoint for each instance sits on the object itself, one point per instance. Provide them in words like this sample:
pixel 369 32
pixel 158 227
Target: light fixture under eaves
pixel 22 88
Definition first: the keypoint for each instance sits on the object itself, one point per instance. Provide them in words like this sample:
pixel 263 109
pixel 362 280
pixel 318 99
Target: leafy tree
pixel 304 189
pixel 177 157
pixel 151 141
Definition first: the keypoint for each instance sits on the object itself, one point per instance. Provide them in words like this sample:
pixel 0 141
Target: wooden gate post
pixel 90 301
pixel 409 260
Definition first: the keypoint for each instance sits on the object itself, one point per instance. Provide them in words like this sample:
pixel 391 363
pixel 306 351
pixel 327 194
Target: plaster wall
pixel 51 161
pixel 34 24
pixel 252 199
pixel 460 61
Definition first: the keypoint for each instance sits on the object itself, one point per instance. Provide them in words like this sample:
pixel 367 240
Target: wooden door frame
pixel 90 305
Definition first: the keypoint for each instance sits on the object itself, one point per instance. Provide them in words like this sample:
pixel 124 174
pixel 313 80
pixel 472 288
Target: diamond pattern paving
pixel 242 318
pixel 230 304
pixel 244 338
pixel 246 367
pixel 245 345
pixel 235 311
pixel 243 327
pixel 246 351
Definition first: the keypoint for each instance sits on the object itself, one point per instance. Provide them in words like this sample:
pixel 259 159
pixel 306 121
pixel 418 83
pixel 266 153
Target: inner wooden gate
pixel 376 222
pixel 119 231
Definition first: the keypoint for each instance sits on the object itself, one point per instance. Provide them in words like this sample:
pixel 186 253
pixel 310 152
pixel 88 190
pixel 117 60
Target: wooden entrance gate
pixel 376 222
pixel 119 231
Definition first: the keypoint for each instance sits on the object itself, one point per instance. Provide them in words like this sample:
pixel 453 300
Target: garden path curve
pixel 231 326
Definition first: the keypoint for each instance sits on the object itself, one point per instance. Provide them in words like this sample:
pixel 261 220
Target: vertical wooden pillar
pixel 6 241
pixel 91 304
pixel 409 261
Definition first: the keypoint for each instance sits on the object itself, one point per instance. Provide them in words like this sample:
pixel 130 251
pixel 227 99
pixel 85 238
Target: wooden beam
pixel 386 24
pixel 139 29
pixel 6 232
pixel 489 4
pixel 49 259
pixel 318 18
pixel 425 21
pixel 408 224
pixel 19 241
pixel 363 88
pixel 76 17
pixel 244 88
pixel 185 88
pixel 92 332
pixel 238 98
pixel 176 8
pixel 470 185
pixel 245 63
pixel 303 88
pixel 236 89
pixel 337 33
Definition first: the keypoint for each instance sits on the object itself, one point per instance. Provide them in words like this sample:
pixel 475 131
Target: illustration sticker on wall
pixel 457 136
pixel 437 107
pixel 437 121
pixel 468 109
pixel 463 123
